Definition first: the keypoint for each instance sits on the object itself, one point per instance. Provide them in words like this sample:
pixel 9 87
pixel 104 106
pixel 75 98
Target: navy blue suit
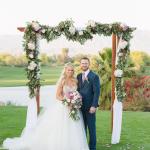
pixel 90 91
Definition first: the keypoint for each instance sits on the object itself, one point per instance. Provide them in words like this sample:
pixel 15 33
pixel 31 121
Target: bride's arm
pixel 59 92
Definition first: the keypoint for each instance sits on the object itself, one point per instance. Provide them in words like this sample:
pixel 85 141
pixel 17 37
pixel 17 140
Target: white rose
pixel 35 26
pixel 30 68
pixel 72 30
pixel 38 75
pixel 123 44
pixel 124 26
pixel 68 100
pixel 73 101
pixel 120 54
pixel 31 55
pixel 76 96
pixel 31 46
pixel 91 23
pixel 80 32
pixel 32 65
pixel 110 26
pixel 118 73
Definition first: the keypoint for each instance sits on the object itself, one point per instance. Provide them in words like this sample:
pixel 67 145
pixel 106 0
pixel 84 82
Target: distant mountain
pixel 13 44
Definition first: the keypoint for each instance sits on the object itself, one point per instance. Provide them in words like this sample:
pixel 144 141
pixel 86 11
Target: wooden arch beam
pixel 21 29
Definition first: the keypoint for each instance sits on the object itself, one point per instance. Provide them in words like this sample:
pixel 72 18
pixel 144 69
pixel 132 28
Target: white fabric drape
pixel 117 112
pixel 117 121
pixel 31 118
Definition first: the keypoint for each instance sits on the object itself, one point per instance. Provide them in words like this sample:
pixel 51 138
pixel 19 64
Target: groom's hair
pixel 86 58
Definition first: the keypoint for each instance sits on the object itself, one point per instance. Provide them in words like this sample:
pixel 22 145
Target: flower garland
pixel 34 31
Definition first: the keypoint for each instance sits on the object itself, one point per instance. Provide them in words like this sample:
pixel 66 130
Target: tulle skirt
pixel 55 130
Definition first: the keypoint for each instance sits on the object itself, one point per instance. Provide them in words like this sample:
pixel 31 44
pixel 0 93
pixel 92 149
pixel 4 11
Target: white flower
pixel 72 30
pixel 35 26
pixel 120 54
pixel 73 101
pixel 43 31
pixel 80 32
pixel 91 23
pixel 118 73
pixel 76 106
pixel 123 44
pixel 68 100
pixel 31 46
pixel 123 26
pixel 76 97
pixel 32 65
pixel 38 75
pixel 31 55
pixel 110 26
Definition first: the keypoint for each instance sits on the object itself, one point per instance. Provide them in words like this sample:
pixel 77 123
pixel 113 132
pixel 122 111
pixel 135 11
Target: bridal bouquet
pixel 73 99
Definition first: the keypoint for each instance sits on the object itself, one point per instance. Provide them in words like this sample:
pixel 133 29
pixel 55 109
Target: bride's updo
pixel 63 76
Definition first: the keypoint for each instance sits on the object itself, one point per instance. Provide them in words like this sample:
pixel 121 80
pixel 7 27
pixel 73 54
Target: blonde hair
pixel 62 79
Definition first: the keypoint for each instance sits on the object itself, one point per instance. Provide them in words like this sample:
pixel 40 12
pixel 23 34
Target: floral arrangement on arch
pixel 34 31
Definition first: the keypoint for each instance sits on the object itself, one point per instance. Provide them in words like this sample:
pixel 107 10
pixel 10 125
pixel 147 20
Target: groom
pixel 89 88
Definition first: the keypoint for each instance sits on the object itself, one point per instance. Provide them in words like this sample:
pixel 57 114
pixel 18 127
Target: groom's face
pixel 84 64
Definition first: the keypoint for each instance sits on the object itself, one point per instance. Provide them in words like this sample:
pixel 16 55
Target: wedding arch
pixel 121 36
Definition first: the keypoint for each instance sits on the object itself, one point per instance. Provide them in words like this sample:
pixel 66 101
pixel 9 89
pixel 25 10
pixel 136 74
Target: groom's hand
pixel 92 110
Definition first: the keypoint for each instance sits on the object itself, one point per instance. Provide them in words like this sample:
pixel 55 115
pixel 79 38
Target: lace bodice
pixel 67 88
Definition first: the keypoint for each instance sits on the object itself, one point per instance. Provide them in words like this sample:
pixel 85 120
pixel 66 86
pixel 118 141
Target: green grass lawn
pixel 16 76
pixel 135 131
pixel 147 68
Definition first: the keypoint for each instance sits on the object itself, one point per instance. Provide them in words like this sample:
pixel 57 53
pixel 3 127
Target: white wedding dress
pixel 55 130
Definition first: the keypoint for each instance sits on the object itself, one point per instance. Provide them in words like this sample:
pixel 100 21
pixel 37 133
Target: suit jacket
pixel 89 90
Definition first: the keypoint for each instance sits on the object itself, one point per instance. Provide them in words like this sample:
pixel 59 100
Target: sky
pixel 14 13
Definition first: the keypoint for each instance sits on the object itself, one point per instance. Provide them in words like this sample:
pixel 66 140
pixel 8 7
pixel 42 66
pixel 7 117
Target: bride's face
pixel 69 71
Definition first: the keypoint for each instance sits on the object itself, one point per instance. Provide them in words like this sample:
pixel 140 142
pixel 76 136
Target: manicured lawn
pixel 16 76
pixel 147 68
pixel 135 131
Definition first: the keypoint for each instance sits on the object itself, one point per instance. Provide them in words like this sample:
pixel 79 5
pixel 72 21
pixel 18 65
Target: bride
pixel 55 130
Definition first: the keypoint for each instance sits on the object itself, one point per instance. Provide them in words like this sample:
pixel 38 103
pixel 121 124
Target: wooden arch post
pixel 22 29
pixel 115 41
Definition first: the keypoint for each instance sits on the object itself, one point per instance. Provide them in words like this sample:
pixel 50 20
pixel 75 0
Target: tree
pixel 101 64
pixel 63 57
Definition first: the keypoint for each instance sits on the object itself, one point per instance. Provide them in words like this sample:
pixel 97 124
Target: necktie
pixel 83 77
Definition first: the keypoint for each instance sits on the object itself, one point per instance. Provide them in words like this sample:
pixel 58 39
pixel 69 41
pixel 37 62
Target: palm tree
pixel 101 64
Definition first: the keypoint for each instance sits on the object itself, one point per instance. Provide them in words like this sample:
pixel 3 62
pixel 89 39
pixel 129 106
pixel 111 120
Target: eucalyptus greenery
pixel 34 31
